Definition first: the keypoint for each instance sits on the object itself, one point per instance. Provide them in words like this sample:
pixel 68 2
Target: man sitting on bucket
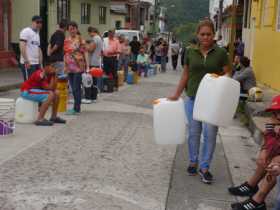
pixel 41 88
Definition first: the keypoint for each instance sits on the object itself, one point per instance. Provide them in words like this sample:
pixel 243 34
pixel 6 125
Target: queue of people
pixel 70 55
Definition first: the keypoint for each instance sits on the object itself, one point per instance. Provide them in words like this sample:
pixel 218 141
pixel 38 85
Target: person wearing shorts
pixel 41 88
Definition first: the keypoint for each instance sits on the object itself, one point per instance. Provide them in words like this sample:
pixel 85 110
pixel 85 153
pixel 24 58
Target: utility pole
pixel 139 15
pixel 220 17
pixel 155 17
pixel 233 30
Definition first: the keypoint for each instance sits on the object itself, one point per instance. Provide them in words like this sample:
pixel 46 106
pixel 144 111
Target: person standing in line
pixel 207 58
pixel 175 49
pixel 31 57
pixel 55 48
pixel 95 51
pixel 111 50
pixel 164 56
pixel 158 51
pixel 124 58
pixel 192 44
pixel 76 62
pixel 135 47
pixel 94 48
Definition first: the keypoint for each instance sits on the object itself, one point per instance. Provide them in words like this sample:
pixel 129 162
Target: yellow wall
pixel 266 57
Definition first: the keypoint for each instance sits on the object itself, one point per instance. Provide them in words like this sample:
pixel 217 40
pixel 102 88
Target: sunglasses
pixel 39 22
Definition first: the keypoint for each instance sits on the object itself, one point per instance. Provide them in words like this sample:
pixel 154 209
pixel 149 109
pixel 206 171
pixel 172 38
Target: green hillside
pixel 183 15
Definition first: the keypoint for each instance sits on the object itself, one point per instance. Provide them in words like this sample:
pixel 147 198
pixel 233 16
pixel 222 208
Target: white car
pixel 129 34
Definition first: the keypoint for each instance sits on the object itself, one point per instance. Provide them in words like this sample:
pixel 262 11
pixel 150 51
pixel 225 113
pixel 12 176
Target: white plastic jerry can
pixel 26 111
pixel 169 121
pixel 216 100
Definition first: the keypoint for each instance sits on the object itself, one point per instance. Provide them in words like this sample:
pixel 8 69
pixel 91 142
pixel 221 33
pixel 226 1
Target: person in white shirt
pixel 31 53
pixel 175 50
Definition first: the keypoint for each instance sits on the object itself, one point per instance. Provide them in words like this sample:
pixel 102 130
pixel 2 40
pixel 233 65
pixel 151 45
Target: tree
pixel 183 16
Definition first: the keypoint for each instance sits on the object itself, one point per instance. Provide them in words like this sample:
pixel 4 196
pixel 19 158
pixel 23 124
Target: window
pixel 63 10
pixel 102 15
pixel 142 16
pixel 85 13
pixel 266 10
pixel 118 24
pixel 278 17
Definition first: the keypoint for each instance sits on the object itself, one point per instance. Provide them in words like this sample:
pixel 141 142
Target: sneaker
pixel 71 112
pixel 249 204
pixel 86 101
pixel 243 190
pixel 58 120
pixel 192 171
pixel 206 177
pixel 43 122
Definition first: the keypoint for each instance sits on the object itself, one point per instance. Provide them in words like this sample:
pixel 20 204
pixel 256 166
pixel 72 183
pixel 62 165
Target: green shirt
pixel 199 66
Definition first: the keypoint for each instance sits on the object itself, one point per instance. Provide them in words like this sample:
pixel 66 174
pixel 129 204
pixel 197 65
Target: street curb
pixel 257 133
pixel 9 87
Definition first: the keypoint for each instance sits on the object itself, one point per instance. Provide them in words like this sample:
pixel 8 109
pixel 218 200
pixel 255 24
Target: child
pixel 268 156
pixel 41 88
pixel 142 62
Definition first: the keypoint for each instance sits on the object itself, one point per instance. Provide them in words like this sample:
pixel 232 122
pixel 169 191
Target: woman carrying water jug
pixel 206 58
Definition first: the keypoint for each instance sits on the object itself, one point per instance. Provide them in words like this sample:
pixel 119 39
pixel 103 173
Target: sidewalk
pixel 11 78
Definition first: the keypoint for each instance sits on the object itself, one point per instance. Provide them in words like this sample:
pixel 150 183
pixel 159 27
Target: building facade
pixel 85 12
pixel 265 34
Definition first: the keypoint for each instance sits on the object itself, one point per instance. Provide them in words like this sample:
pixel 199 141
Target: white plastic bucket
pixel 7 116
pixel 26 111
pixel 216 100
pixel 169 122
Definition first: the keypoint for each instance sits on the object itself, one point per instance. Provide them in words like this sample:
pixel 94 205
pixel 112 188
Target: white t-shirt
pixel 175 48
pixel 32 39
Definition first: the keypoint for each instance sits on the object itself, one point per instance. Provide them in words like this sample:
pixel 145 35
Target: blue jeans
pixel 123 62
pixel 75 80
pixel 277 203
pixel 209 137
pixel 59 66
pixel 163 63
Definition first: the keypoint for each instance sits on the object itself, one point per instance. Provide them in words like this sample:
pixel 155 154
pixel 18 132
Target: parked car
pixel 129 34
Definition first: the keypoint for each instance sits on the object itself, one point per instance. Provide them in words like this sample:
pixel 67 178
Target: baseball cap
pixel 37 18
pixel 275 105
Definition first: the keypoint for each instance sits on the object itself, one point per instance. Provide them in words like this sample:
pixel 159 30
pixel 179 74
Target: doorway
pixel 44 30
pixel 4 24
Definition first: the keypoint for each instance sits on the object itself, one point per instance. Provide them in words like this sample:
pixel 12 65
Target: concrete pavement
pixel 11 78
pixel 105 159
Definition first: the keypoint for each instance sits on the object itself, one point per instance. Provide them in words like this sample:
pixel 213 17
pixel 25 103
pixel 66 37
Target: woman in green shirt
pixel 206 58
